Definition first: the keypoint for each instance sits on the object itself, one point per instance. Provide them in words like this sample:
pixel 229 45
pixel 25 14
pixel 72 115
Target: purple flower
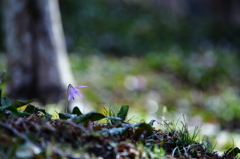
pixel 72 92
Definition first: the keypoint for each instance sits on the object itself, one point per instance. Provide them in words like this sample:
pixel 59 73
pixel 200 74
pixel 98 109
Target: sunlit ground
pixel 164 86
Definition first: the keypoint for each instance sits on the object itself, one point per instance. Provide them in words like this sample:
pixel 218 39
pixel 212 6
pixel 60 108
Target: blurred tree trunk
pixel 37 59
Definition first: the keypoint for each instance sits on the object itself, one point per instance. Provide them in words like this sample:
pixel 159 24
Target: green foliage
pixel 91 116
pixel 33 109
pixel 8 107
pixel 185 136
pixel 232 152
pixel 76 111
pixel 5 101
pixel 140 27
pixel 123 112
pixel 66 115
pixel 75 131
pixel 11 107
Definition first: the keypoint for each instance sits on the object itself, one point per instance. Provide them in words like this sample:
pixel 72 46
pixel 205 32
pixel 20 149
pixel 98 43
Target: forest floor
pixel 33 133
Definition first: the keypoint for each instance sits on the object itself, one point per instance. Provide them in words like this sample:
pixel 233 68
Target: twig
pixel 15 131
pixel 74 125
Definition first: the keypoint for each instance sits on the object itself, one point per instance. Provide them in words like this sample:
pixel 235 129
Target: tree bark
pixel 35 50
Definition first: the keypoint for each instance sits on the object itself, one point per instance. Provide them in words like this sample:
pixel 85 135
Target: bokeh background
pixel 163 58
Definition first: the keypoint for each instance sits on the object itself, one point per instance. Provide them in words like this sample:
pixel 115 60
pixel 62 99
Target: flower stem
pixel 67 102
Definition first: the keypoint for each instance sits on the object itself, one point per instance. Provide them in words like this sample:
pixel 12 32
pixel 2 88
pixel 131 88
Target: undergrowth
pixel 27 131
pixel 32 133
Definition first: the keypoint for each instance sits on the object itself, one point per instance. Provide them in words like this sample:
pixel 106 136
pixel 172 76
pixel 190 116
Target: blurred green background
pixel 163 58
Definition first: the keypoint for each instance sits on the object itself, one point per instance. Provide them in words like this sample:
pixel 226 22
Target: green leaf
pixel 5 101
pixel 123 112
pixel 146 127
pixel 233 152
pixel 91 116
pixel 77 111
pixel 65 116
pixel 13 110
pixel 33 109
pixel 19 104
pixel 142 127
pixel 7 104
pixel 5 107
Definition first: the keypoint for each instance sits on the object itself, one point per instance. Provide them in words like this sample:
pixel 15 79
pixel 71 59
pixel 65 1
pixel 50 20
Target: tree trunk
pixel 35 49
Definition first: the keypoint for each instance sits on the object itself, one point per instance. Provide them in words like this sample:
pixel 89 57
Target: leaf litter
pixel 32 133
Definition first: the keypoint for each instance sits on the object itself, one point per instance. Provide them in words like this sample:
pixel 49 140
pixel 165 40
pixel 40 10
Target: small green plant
pixel 186 138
